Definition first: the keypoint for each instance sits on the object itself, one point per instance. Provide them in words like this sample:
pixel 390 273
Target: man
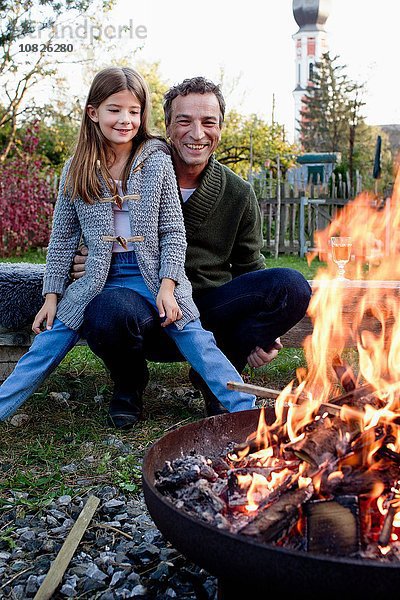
pixel 246 306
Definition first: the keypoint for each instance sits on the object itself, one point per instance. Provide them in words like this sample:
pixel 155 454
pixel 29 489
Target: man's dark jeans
pixel 251 310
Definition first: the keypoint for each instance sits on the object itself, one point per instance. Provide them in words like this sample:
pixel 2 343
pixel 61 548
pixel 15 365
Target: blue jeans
pixel 51 346
pixel 47 351
pixel 195 344
pixel 251 310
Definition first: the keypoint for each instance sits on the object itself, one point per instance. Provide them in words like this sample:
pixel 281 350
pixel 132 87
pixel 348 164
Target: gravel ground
pixel 122 554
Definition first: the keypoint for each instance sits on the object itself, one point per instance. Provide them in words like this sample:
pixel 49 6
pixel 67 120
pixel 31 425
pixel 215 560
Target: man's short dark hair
pixel 195 85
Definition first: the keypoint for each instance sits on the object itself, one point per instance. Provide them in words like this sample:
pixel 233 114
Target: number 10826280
pixel 46 48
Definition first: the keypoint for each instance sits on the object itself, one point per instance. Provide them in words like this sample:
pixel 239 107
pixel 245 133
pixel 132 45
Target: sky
pixel 251 43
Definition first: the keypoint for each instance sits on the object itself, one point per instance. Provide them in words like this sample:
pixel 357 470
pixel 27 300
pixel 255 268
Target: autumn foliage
pixel 25 200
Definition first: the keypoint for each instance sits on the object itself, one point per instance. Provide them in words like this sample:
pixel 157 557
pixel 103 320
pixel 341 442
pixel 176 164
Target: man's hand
pixel 259 357
pixel 166 303
pixel 78 266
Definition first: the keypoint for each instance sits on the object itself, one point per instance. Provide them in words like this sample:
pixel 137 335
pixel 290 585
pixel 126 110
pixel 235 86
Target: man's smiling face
pixel 194 129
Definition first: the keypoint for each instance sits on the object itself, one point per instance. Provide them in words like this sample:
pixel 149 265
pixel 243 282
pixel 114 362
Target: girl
pixel 118 193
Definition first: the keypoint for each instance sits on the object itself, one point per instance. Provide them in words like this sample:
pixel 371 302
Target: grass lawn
pixel 65 445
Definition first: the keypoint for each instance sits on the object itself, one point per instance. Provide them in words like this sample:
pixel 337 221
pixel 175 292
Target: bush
pixel 25 200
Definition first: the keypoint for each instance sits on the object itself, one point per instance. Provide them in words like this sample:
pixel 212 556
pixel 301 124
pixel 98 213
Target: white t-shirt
pixel 186 193
pixel 121 217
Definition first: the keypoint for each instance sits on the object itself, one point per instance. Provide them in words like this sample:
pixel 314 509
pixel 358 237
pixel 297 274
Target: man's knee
pixel 286 291
pixel 297 287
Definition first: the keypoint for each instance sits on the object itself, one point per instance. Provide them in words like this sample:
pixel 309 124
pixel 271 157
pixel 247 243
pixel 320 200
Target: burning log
pixel 240 480
pixel 386 532
pixel 356 481
pixel 243 449
pixel 386 452
pixel 328 439
pixel 333 526
pixel 272 522
pixel 350 397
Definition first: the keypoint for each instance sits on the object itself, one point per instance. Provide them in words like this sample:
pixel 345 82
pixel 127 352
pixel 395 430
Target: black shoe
pixel 123 421
pixel 125 410
pixel 211 403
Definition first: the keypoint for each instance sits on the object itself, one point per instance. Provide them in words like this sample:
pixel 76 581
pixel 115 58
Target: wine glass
pixel 341 252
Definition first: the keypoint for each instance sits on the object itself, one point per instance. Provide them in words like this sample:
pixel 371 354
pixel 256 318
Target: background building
pixel 310 43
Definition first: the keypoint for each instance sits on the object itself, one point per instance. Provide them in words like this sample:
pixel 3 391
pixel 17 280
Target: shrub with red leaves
pixel 25 200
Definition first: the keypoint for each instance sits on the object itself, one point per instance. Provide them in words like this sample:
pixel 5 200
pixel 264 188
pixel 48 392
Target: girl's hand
pixel 166 303
pixel 46 313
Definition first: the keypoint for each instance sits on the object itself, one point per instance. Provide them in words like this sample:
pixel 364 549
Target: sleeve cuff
pixel 53 284
pixel 170 271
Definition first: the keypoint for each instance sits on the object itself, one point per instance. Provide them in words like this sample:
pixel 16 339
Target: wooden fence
pixel 299 219
pixel 304 209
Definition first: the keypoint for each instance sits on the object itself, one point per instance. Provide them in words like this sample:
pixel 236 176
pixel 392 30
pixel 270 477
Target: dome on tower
pixel 311 14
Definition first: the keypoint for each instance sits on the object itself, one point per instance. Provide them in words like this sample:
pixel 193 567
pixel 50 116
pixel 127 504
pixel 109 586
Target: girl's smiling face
pixel 118 117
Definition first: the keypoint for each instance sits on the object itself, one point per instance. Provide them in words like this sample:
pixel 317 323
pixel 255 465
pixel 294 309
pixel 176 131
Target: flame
pixel 364 313
pixel 261 487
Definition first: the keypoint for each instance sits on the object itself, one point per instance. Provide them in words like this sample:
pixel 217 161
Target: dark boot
pixel 125 410
pixel 211 403
pixel 126 406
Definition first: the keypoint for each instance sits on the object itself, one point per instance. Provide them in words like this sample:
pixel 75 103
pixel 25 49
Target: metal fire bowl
pixel 237 560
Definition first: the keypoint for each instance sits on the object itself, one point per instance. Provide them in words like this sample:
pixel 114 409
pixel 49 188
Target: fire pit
pixel 319 511
pixel 246 567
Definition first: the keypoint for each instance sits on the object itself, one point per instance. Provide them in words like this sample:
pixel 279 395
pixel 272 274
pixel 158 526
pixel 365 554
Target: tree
pixel 331 121
pixel 19 71
pixel 158 87
pixel 248 141
pixel 331 104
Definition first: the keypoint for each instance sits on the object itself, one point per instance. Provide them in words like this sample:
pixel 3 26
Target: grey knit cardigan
pixel 155 214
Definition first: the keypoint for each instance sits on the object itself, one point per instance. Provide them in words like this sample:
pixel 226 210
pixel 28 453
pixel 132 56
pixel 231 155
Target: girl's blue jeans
pixel 196 344
pixel 47 351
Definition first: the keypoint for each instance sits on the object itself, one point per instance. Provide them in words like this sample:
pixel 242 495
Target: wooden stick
pixel 62 560
pixel 386 531
pixel 263 392
pixel 257 390
pixel 331 408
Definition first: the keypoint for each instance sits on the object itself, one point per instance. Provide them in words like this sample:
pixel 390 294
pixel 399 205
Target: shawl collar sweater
pixel 223 229
pixel 154 213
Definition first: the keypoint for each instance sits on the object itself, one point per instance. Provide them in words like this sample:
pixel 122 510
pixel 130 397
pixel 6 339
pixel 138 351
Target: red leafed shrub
pixel 25 195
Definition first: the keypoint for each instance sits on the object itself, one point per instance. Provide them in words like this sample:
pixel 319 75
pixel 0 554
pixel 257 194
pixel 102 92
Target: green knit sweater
pixel 223 229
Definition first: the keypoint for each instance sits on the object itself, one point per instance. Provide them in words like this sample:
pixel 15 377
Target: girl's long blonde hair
pixel 93 152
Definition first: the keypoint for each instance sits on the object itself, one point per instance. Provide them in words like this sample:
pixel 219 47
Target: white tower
pixel 310 43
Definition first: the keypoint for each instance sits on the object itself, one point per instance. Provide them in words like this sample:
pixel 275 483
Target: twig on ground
pixel 105 526
pixel 14 577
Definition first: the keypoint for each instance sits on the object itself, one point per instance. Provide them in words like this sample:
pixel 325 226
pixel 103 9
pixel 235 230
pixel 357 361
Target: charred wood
pixel 357 481
pixel 386 532
pixel 390 454
pixel 237 490
pixel 274 521
pixel 183 471
pixel 333 526
pixel 327 440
